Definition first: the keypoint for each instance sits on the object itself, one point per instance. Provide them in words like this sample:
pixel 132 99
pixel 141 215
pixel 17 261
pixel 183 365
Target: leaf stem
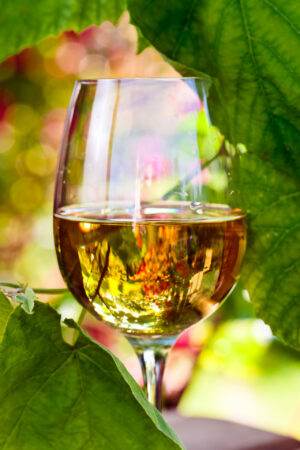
pixel 79 322
pixel 194 173
pixel 81 316
pixel 36 290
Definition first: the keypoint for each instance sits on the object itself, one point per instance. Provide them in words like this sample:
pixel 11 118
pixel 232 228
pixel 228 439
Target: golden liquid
pixel 154 276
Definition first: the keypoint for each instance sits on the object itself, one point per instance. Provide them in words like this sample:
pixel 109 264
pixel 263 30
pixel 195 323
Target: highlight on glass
pixel 148 230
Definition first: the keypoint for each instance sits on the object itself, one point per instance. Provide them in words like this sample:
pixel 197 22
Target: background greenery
pixel 257 70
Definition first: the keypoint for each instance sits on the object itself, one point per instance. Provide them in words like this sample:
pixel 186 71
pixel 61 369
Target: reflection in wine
pixel 155 276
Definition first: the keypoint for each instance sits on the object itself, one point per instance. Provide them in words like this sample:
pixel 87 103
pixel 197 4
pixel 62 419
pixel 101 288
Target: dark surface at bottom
pixel 210 434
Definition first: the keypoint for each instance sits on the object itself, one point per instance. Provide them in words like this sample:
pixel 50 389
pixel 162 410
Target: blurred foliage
pixel 246 376
pixel 243 372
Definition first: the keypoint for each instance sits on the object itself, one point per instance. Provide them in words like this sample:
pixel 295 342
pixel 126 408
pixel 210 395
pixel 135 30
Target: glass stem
pixel 152 354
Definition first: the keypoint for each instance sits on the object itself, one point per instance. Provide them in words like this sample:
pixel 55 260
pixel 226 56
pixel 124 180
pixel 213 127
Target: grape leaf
pixel 250 49
pixel 24 23
pixel 272 266
pixel 53 395
pixel 5 311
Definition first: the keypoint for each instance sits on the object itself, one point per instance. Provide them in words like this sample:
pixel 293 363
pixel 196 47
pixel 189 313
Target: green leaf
pixel 240 357
pixel 53 395
pixel 250 49
pixel 272 268
pixel 27 299
pixel 24 23
pixel 5 311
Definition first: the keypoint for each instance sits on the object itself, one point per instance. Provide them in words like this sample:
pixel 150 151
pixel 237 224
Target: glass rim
pixel 95 81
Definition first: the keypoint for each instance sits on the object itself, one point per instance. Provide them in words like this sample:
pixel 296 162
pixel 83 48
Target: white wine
pixel 155 275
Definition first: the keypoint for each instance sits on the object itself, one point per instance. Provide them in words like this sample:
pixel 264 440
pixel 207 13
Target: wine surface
pixel 157 274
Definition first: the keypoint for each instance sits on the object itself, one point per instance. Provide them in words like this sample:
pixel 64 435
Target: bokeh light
pixel 7 137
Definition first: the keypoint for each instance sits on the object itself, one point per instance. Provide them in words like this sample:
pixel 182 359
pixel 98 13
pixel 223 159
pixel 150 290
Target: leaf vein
pixel 280 58
pixel 282 15
pixel 238 85
pixel 32 397
pixel 250 41
pixel 280 239
pixel 276 202
pixel 182 30
pixel 219 30
pixel 86 403
pixel 30 359
pixel 283 273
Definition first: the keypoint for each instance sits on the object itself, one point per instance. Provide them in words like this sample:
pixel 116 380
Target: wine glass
pixel 148 233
